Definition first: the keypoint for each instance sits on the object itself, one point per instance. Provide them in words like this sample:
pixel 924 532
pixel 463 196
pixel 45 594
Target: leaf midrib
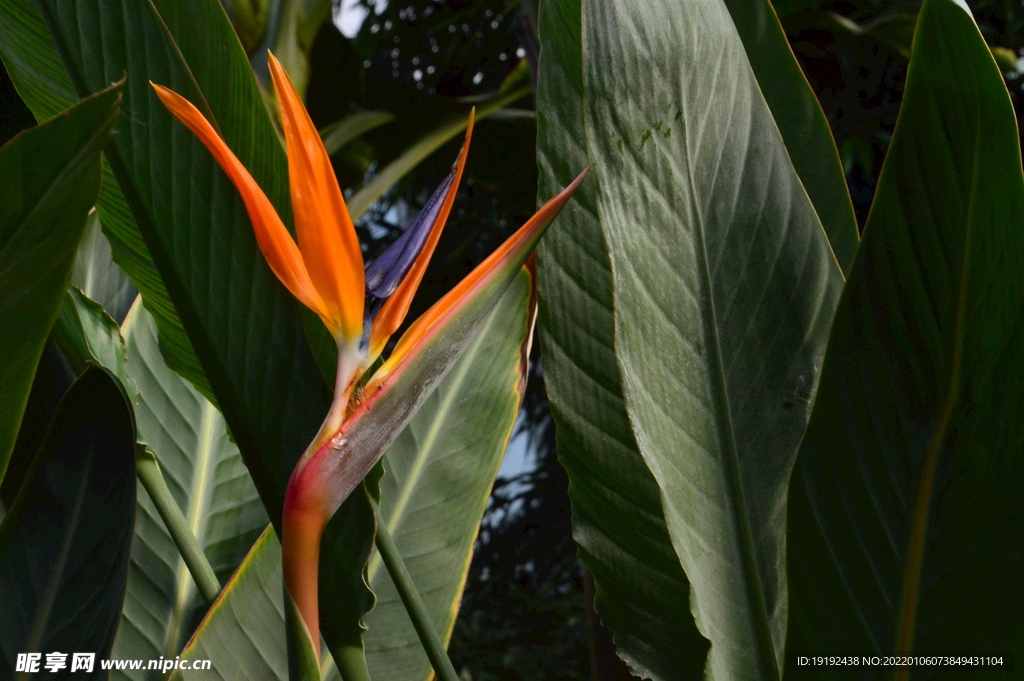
pixel 766 655
pixel 922 502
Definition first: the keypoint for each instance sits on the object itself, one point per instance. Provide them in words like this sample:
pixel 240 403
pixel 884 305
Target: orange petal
pixel 392 314
pixel 506 255
pixel 327 237
pixel 273 238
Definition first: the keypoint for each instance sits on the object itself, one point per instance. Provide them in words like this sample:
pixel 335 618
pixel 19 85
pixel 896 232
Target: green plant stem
pixel 413 603
pixel 153 480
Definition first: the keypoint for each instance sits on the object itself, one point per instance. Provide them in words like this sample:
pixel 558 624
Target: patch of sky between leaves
pixel 350 15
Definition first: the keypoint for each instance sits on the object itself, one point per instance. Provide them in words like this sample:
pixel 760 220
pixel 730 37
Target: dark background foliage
pixel 524 614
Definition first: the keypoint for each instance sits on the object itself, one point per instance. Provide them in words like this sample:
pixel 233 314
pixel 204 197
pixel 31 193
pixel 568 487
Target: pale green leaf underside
pixel 724 288
pixel 642 594
pixel 96 274
pixel 243 634
pixel 210 483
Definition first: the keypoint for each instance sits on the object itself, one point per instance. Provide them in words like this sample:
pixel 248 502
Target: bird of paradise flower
pixel 361 309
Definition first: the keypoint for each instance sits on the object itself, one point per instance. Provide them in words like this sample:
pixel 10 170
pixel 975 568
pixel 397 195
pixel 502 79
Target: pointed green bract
pixel 61 581
pixel 437 480
pixel 642 594
pixel 51 176
pixel 721 270
pixel 905 521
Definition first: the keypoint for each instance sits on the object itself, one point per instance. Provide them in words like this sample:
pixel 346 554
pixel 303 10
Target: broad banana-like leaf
pixel 437 479
pixel 64 543
pixel 35 67
pixel 243 324
pixel 51 176
pixel 724 286
pixel 208 480
pixel 97 276
pixel 642 594
pixel 906 518
pixel 800 119
pixel 243 633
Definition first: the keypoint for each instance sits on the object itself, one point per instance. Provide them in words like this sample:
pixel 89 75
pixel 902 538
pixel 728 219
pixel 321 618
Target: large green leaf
pixel 801 121
pixel 35 67
pixel 50 175
pixel 244 326
pixel 64 543
pixel 642 593
pixel 203 209
pixel 724 288
pixel 907 519
pixel 243 634
pixel 208 481
pixel 437 479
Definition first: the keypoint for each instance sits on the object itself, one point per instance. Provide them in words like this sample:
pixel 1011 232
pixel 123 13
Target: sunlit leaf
pixel 724 286
pixel 642 593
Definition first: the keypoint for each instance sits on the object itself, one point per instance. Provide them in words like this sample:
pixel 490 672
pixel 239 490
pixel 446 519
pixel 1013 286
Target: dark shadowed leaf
pixel 64 544
pixel 906 518
pixel 50 177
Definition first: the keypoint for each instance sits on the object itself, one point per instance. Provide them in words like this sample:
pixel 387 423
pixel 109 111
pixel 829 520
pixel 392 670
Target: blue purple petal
pixel 386 272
